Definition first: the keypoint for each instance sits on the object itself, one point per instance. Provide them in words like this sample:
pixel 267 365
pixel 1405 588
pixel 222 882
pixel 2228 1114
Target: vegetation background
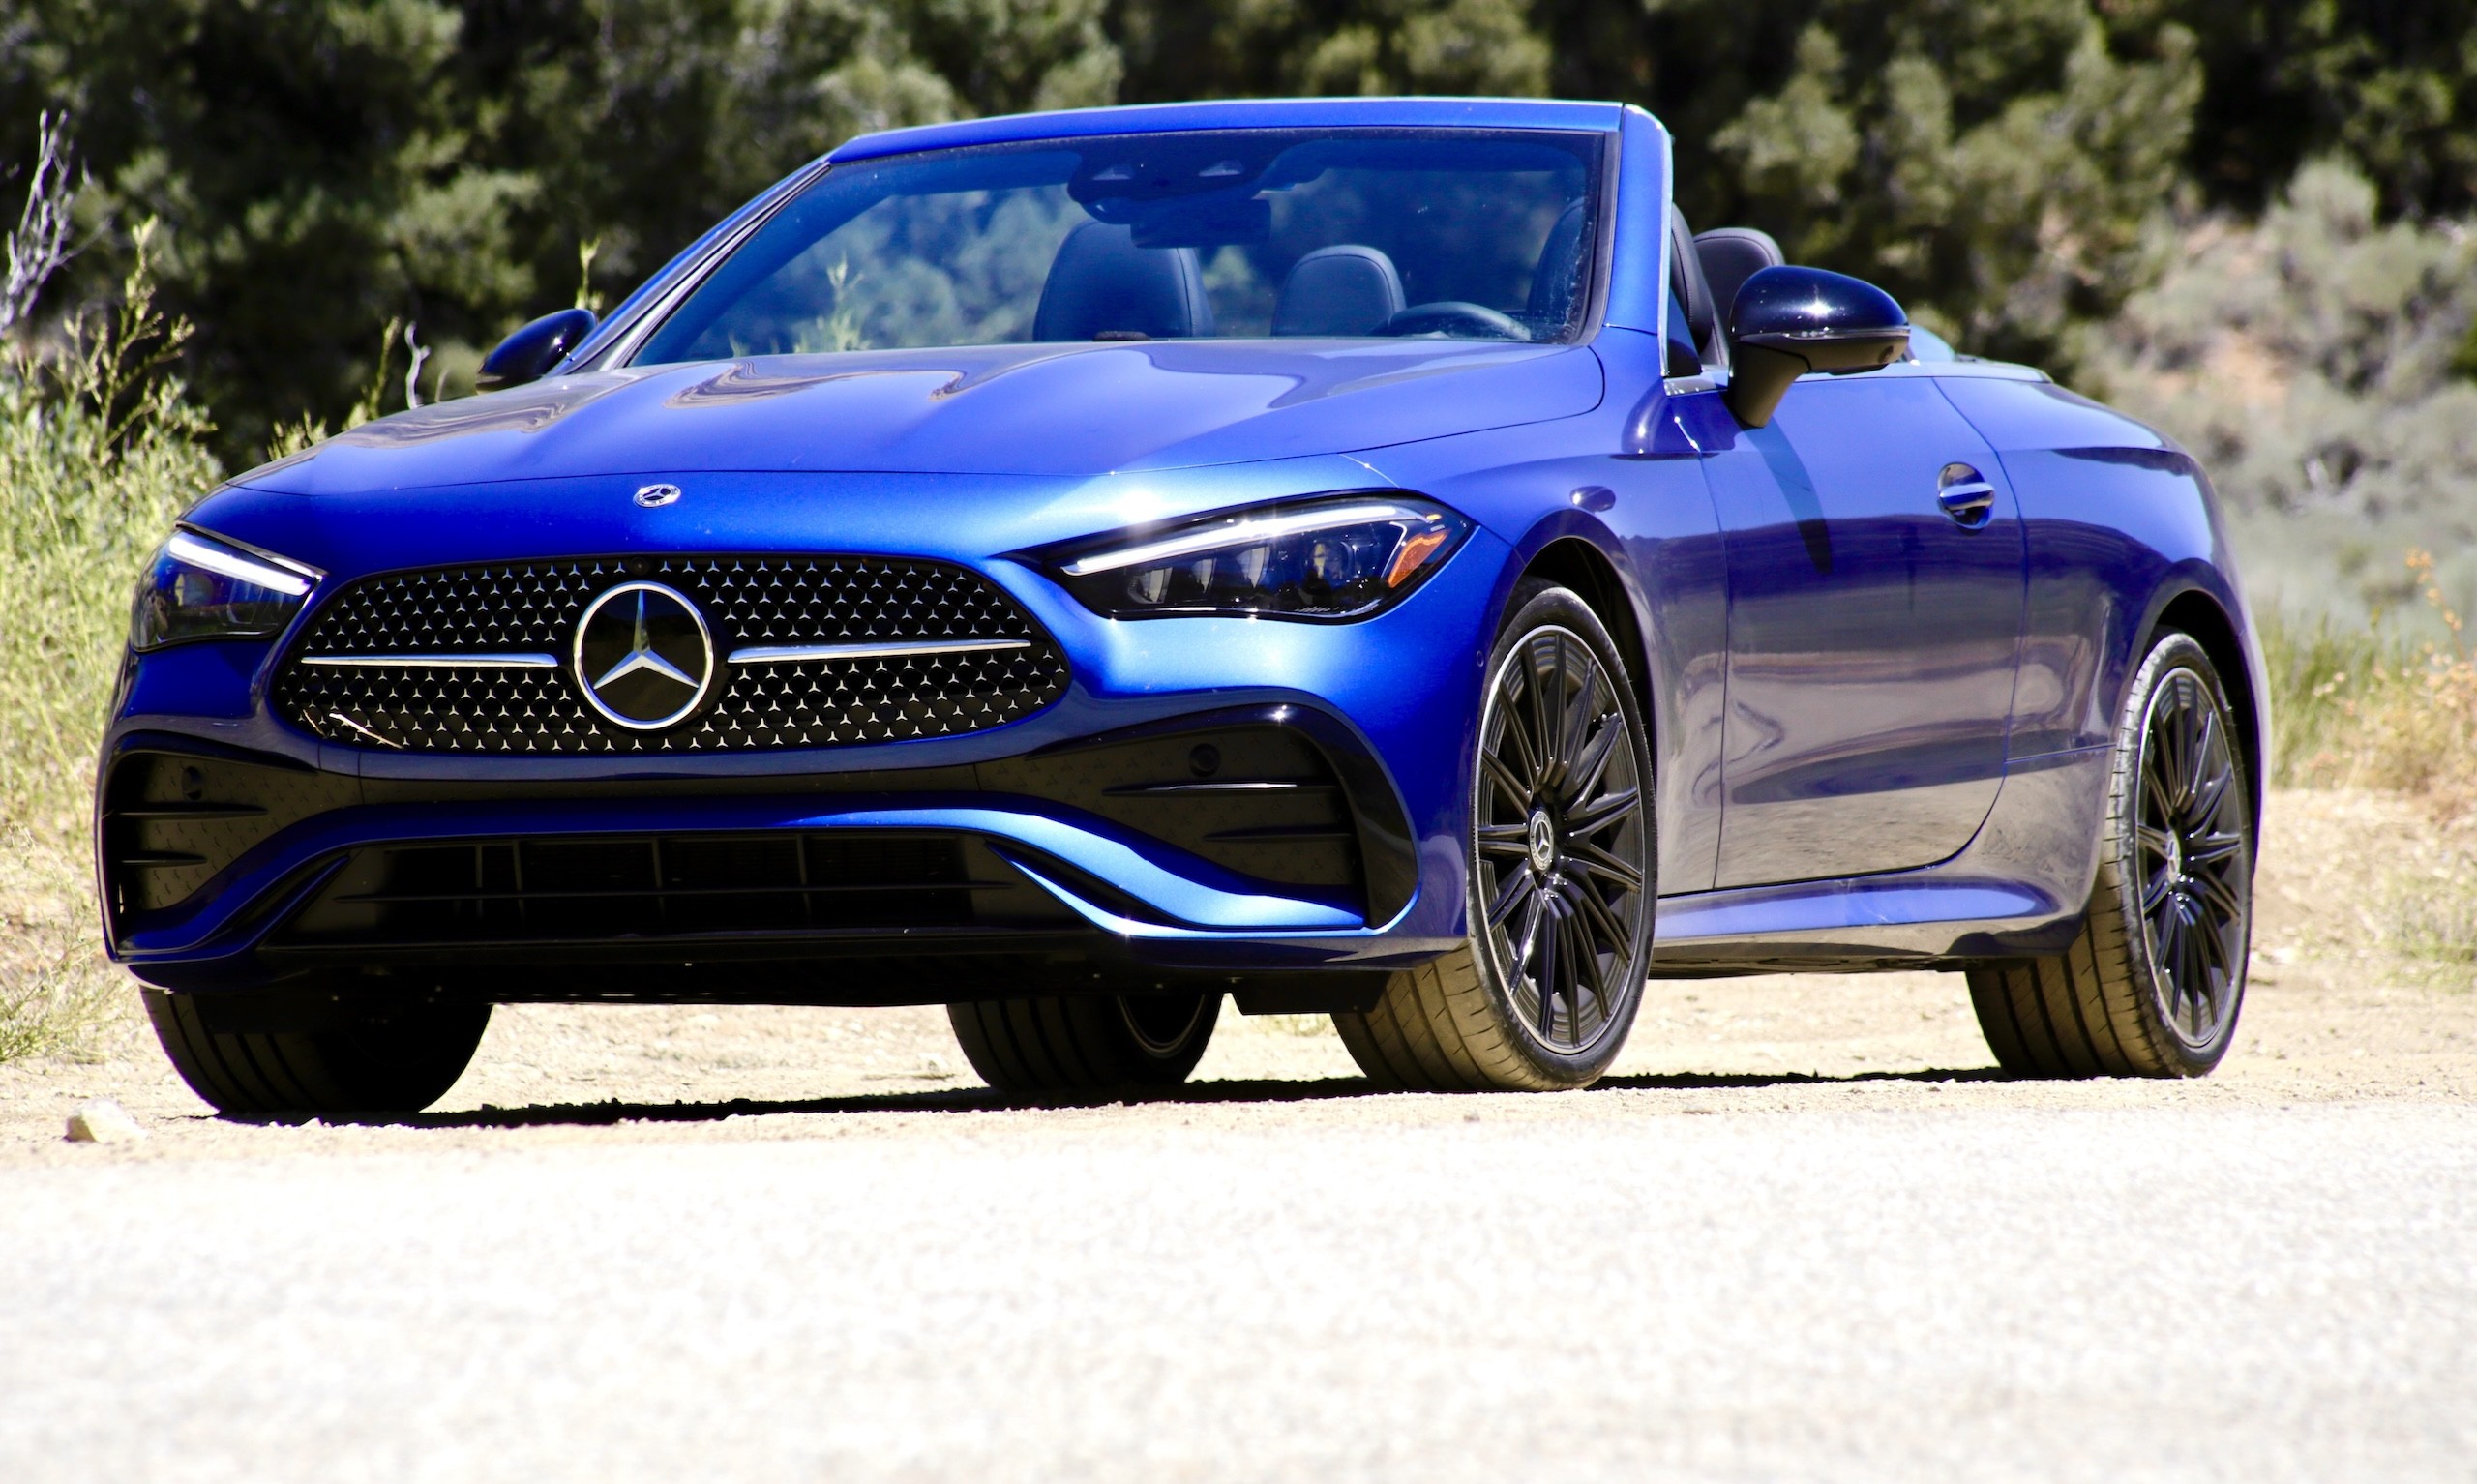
pixel 2248 221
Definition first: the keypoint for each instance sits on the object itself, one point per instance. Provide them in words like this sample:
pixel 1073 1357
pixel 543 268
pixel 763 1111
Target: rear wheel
pixel 387 1055
pixel 2153 986
pixel 1561 860
pixel 1086 1043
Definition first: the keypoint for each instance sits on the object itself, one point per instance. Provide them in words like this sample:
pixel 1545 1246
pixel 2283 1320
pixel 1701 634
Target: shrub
pixel 2315 362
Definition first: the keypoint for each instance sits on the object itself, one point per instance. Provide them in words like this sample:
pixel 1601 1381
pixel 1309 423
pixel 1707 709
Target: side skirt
pixel 2017 890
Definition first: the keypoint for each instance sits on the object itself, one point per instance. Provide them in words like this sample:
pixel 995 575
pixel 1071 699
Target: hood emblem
pixel 656 497
pixel 643 656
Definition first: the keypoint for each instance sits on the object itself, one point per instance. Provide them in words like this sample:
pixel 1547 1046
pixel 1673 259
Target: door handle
pixel 1965 495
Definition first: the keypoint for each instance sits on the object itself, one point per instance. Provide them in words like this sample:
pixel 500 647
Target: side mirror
pixel 534 349
pixel 1789 321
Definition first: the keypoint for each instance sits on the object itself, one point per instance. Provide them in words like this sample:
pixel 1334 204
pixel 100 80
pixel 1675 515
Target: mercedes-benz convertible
pixel 1362 557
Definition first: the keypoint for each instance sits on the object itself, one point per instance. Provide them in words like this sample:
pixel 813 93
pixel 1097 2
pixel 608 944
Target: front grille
pixel 599 889
pixel 750 602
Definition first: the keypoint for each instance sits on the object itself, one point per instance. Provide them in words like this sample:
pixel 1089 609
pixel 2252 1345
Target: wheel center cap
pixel 2176 856
pixel 1543 842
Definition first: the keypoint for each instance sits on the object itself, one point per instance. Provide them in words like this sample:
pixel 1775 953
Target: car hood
pixel 1060 410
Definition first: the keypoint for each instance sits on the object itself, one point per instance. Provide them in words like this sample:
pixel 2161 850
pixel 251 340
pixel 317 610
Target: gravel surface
pixel 1805 1232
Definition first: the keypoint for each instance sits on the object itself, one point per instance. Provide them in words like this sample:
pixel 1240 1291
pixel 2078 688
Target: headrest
pixel 1559 270
pixel 1731 256
pixel 1345 290
pixel 1101 281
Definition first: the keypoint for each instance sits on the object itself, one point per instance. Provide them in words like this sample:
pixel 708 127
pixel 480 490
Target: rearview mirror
pixel 1790 321
pixel 534 349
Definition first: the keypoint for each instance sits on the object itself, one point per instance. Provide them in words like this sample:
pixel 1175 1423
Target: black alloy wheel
pixel 1562 861
pixel 2153 984
pixel 2192 861
pixel 1558 825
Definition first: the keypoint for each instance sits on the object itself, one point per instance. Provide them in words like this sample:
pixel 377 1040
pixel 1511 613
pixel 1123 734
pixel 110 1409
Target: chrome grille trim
pixel 802 654
pixel 439 661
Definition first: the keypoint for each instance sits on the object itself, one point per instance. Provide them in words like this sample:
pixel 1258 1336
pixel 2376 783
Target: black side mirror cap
pixel 531 351
pixel 1790 321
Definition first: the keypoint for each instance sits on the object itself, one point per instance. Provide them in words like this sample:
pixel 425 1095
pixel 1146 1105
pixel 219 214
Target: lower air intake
pixel 600 889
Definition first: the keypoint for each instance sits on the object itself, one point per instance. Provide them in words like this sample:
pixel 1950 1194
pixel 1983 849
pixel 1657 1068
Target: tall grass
pixel 2358 708
pixel 2368 707
pixel 99 451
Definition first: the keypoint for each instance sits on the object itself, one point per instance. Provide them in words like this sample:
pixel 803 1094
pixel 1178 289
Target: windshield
pixel 1236 235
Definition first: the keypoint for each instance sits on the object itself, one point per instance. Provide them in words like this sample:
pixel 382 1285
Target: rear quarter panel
pixel 2120 523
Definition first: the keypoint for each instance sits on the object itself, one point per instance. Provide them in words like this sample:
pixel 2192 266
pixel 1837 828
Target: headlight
pixel 199 587
pixel 1340 559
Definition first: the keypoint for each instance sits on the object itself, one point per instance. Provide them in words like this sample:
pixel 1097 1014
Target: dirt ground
pixel 2335 1014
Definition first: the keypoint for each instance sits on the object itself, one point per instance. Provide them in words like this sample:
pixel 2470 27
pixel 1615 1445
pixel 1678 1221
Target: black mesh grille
pixel 598 889
pixel 772 601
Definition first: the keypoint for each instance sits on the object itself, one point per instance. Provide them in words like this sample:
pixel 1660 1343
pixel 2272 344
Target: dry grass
pixel 56 989
pixel 98 453
pixel 2354 708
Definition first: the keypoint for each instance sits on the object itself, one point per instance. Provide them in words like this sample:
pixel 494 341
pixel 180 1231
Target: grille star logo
pixel 644 657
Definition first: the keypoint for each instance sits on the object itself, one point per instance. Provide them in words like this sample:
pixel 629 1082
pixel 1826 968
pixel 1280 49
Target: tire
pixel 2154 984
pixel 1561 859
pixel 1094 1043
pixel 391 1056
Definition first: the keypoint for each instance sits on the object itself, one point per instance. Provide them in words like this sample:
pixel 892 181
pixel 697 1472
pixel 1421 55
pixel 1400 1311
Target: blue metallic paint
pixel 1949 811
pixel 1872 640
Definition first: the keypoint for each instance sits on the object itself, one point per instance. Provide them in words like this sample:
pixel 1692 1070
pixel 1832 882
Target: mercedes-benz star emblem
pixel 643 656
pixel 655 497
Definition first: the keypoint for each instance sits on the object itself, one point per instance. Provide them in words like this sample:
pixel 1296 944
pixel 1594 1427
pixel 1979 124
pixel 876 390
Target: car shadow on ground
pixel 969 1100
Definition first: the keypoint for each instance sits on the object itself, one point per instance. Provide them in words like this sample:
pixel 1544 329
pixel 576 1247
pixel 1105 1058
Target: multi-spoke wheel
pixel 2153 986
pixel 1561 878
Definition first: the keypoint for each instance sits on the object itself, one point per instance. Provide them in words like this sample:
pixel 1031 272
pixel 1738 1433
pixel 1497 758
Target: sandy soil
pixel 2333 1015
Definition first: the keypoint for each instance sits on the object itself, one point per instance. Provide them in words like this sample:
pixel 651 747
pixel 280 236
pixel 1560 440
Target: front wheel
pixel 318 1052
pixel 2153 986
pixel 1561 878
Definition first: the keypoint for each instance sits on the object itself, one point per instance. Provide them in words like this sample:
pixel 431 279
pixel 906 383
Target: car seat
pixel 1344 289
pixel 1552 294
pixel 1730 256
pixel 1102 283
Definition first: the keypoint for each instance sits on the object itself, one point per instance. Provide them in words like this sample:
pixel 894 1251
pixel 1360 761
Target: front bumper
pixel 1073 876
pixel 224 868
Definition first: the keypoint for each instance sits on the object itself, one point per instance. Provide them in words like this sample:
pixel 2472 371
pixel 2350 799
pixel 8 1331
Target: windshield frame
pixel 621 346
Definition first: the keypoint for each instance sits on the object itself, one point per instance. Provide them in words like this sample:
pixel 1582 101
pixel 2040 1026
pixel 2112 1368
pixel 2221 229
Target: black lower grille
pixel 378 665
pixel 173 822
pixel 601 889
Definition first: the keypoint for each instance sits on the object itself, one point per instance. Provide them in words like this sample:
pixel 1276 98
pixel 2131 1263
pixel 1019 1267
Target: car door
pixel 1876 568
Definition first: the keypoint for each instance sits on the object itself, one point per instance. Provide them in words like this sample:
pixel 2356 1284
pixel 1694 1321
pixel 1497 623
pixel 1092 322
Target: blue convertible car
pixel 1366 557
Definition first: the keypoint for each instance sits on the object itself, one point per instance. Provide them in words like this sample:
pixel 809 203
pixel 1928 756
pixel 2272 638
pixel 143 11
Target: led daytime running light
pixel 1215 538
pixel 224 561
pixel 1337 560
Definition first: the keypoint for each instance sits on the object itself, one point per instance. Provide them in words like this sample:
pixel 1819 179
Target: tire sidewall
pixel 2173 652
pixel 1151 1061
pixel 1538 607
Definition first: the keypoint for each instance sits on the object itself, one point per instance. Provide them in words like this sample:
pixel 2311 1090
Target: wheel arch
pixel 2197 614
pixel 1572 562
